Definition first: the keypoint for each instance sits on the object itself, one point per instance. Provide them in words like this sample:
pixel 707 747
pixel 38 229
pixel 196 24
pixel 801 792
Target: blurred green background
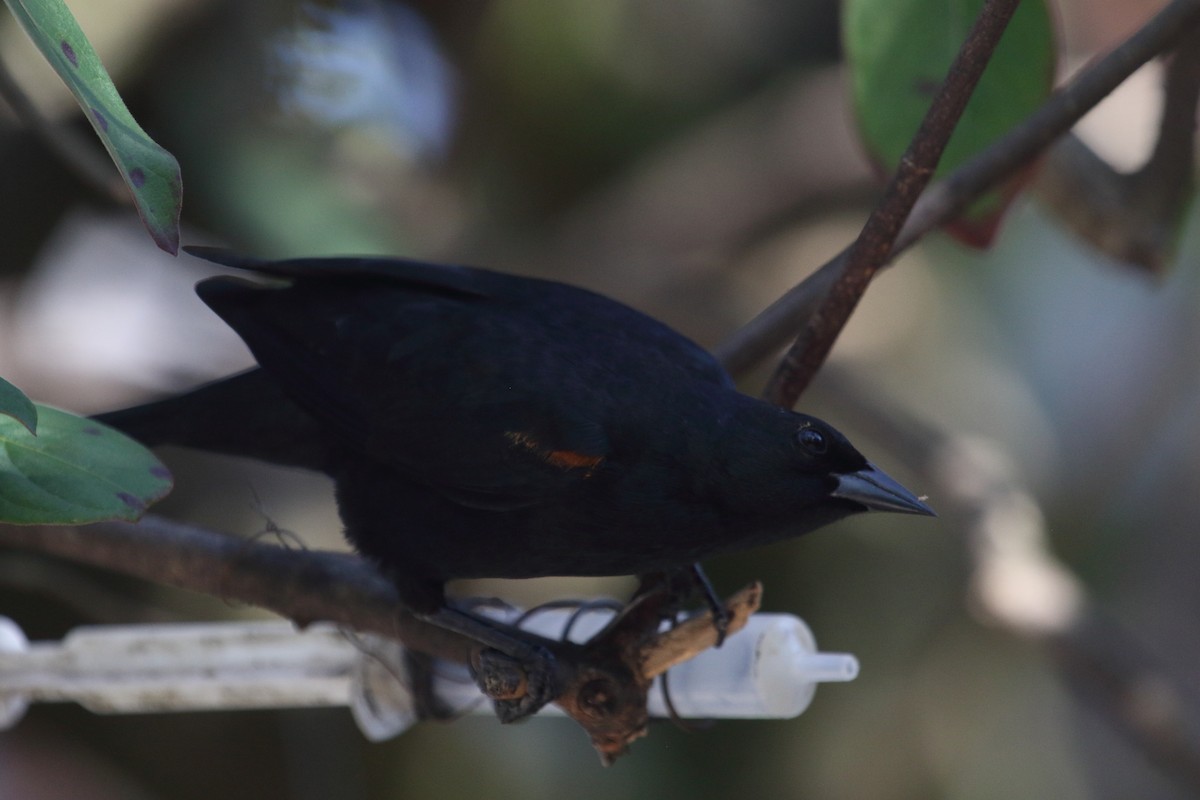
pixel 693 158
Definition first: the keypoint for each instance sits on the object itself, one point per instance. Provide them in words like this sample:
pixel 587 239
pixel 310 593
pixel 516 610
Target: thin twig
pixel 874 245
pixel 947 198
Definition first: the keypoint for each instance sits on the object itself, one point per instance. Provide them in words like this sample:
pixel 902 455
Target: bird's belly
pixel 412 530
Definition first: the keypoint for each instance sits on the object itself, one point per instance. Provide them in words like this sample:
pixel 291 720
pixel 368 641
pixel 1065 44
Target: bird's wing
pixel 417 380
pixel 468 282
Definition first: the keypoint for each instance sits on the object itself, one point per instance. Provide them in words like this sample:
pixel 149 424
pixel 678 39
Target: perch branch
pixel 605 680
pixel 303 585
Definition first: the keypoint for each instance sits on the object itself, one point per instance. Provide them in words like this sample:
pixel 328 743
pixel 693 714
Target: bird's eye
pixel 813 441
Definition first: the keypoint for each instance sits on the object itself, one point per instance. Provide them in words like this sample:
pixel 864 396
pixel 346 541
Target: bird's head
pixel 793 472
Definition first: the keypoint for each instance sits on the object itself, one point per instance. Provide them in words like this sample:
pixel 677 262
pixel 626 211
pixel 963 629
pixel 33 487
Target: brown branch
pixel 613 672
pixel 303 585
pixel 1018 585
pixel 697 634
pixel 946 199
pixel 874 245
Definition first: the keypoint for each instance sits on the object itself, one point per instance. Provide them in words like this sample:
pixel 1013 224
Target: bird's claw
pixel 518 688
pixel 721 617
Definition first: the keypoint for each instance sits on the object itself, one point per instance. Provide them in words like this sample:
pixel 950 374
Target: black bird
pixel 478 424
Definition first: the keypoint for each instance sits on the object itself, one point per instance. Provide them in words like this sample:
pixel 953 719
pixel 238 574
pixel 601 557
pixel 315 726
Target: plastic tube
pixel 768 670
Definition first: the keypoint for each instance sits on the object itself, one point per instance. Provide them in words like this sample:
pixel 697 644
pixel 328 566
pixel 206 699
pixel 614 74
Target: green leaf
pixel 15 404
pixel 74 471
pixel 151 173
pixel 899 52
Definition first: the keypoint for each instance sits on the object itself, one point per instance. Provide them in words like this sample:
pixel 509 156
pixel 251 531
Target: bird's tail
pixel 242 415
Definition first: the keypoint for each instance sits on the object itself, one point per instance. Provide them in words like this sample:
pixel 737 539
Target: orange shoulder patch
pixel 563 459
pixel 571 460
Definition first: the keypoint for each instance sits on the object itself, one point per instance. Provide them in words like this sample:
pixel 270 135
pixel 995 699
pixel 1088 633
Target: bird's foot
pixel 518 687
pixel 511 666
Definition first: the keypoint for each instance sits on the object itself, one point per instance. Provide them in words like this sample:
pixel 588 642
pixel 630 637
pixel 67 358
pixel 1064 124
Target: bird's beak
pixel 871 487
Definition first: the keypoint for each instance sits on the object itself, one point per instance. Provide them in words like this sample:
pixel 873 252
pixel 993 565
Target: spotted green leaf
pixel 74 471
pixel 151 173
pixel 15 404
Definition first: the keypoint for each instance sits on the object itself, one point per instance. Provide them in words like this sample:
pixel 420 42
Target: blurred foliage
pixel 693 158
